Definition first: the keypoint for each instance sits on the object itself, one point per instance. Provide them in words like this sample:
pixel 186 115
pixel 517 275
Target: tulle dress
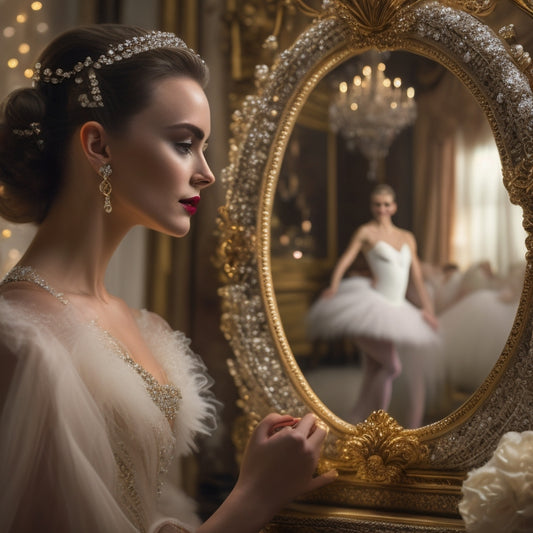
pixel 374 308
pixel 89 441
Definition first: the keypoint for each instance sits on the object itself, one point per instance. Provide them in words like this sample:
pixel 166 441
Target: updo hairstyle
pixel 37 123
pixel 383 189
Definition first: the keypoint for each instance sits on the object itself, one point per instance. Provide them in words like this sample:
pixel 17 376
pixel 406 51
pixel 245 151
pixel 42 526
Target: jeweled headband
pixel 130 47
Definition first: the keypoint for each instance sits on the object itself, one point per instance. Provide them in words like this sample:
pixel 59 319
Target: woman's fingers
pixel 323 480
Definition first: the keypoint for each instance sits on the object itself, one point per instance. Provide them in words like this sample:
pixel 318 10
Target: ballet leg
pixel 381 365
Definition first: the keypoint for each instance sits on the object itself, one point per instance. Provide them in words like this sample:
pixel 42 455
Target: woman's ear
pixel 93 139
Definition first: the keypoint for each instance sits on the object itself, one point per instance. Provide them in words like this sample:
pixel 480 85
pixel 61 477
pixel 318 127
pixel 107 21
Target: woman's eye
pixel 183 147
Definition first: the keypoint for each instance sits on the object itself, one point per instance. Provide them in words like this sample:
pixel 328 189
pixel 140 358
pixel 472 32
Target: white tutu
pixel 357 309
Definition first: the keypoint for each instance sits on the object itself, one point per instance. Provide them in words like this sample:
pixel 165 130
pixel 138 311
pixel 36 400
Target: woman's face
pixel 159 165
pixel 382 206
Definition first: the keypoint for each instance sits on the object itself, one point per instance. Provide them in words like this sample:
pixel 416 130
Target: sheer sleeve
pixel 55 457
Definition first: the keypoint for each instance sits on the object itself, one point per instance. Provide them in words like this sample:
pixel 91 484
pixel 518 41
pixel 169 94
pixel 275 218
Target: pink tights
pixel 381 365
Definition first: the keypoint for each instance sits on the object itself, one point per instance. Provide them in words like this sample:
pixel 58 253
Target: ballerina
pixel 374 311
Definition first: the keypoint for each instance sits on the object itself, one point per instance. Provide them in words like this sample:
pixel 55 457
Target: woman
pixel 98 400
pixel 374 310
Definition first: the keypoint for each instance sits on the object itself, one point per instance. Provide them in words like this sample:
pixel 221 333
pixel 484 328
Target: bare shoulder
pixel 28 294
pixel 408 237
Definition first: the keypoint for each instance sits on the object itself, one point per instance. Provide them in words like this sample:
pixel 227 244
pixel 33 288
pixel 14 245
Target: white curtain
pixel 486 227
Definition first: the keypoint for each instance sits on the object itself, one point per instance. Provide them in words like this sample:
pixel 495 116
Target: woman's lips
pixel 189 204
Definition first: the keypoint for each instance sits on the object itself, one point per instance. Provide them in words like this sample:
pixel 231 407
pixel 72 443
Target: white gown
pixel 374 308
pixel 89 442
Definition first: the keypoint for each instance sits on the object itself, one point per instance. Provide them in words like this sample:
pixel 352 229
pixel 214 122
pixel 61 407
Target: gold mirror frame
pixel 381 465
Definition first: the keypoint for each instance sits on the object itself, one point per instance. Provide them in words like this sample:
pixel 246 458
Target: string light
pixel 22 18
pixel 24 48
pixel 13 62
pixel 6 233
pixel 28 73
pixel 36 6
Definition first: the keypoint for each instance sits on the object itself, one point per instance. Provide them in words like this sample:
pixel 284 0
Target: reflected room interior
pixel 446 172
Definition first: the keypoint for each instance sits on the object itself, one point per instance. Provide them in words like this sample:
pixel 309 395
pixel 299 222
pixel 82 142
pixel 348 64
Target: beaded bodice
pixel 166 396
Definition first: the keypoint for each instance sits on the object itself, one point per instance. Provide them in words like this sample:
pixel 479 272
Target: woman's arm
pixel 276 468
pixel 345 260
pixel 420 287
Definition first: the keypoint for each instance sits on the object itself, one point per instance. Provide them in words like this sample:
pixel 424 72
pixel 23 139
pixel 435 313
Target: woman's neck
pixel 72 249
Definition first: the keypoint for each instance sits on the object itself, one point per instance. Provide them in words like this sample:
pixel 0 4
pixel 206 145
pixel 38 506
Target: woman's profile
pixel 99 401
pixel 374 311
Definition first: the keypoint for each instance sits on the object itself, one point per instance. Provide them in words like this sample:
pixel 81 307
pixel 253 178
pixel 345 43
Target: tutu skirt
pixel 359 310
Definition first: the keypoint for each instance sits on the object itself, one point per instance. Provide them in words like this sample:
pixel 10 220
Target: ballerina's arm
pixel 344 262
pixel 418 281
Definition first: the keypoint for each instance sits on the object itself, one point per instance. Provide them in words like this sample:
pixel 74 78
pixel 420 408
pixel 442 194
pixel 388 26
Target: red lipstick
pixel 190 204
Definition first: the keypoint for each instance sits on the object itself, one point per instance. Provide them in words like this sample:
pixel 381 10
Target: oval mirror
pixel 381 464
pixel 444 165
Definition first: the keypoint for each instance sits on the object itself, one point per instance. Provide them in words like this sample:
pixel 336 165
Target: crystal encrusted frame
pixel 416 470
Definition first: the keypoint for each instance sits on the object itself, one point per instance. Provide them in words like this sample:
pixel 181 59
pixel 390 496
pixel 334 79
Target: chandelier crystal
pixel 370 110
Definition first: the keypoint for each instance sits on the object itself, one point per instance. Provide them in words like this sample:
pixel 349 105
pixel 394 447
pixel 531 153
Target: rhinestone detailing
pixel 27 273
pixel 125 50
pixel 166 396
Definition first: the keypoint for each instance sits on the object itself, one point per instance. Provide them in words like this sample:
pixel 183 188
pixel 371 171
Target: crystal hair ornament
pixel 34 129
pixel 136 45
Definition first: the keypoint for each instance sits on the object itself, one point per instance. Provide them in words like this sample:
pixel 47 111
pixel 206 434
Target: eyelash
pixel 184 147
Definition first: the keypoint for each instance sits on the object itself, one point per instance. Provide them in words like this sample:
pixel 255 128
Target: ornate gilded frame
pixel 381 465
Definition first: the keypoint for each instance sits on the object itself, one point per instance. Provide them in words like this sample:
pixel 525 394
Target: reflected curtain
pixel 487 226
pixel 443 112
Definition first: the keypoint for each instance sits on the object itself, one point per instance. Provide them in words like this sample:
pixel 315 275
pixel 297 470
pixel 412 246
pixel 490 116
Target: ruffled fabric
pixel 83 447
pixel 358 309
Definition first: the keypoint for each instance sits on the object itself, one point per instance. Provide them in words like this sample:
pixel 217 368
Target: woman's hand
pixel 431 319
pixel 278 465
pixel 281 458
pixel 329 292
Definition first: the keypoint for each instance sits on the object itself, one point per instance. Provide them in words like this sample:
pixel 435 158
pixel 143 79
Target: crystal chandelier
pixel 370 111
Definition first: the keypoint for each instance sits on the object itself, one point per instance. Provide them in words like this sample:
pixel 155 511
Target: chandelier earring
pixel 105 186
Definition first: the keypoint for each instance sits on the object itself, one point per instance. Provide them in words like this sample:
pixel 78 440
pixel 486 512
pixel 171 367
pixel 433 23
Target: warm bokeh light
pixel 397 82
pixel 22 17
pixel 28 73
pixel 343 87
pixel 284 240
pixel 42 27
pixel 410 92
pixel 306 226
pixel 354 106
pixel 367 70
pixel 381 67
pixel 8 31
pixel 386 82
pixel 13 62
pixel 36 6
pixel 357 81
pixel 6 233
pixel 297 254
pixel 393 105
pixel 24 48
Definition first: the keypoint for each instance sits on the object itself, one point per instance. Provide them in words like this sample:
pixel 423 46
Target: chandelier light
pixel 370 110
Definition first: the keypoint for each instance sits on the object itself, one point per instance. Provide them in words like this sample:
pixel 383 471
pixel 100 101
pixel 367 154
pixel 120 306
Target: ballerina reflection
pixel 375 313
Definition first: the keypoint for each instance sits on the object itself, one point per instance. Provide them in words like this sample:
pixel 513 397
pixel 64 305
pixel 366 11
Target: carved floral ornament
pixel 378 451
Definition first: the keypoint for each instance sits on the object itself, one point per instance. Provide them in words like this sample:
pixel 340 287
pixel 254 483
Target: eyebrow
pixel 195 130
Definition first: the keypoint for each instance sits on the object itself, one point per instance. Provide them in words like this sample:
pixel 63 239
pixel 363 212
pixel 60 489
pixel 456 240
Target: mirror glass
pixel 445 170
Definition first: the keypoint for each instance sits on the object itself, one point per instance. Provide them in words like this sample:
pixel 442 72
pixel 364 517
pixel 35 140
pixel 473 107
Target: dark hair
pixel 37 123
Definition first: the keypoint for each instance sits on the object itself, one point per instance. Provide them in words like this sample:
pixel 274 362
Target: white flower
pixel 498 497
